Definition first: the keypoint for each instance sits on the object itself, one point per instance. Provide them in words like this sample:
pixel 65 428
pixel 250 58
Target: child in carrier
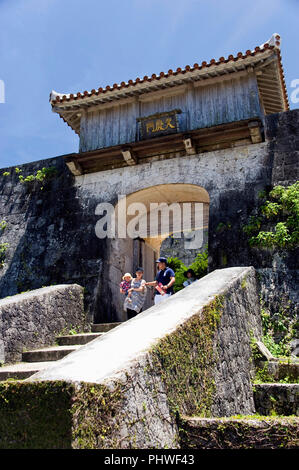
pixel 125 285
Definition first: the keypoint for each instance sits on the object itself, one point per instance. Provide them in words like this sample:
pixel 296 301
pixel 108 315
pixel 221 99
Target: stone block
pixel 34 319
pixel 250 432
pixel 277 399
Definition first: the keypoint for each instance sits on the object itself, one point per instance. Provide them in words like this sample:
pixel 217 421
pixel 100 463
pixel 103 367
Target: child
pixel 125 285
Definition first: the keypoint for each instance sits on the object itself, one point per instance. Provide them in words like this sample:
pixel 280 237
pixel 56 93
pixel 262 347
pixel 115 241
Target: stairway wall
pixel 34 319
pixel 189 355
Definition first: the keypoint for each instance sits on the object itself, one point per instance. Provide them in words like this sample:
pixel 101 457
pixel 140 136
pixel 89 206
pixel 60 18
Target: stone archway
pixel 126 253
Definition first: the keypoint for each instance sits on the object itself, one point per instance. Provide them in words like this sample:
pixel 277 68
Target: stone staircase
pixel 275 423
pixel 35 360
pixel 276 395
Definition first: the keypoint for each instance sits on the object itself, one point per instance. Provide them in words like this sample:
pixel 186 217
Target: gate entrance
pixel 154 216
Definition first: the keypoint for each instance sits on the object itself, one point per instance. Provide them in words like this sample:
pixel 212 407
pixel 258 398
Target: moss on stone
pixel 58 415
pixel 95 414
pixel 35 415
pixel 186 361
pixel 240 432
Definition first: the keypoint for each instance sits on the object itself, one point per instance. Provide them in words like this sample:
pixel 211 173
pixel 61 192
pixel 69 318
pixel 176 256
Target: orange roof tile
pixel 273 43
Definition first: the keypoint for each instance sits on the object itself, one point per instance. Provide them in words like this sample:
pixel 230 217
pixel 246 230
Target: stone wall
pixel 277 399
pixel 51 231
pixel 34 319
pixel 240 433
pixel 189 355
pixel 282 133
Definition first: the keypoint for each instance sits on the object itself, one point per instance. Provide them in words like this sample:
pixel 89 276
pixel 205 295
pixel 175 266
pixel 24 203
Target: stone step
pixel 21 370
pixel 277 399
pixel 103 327
pixel 240 432
pixel 280 370
pixel 53 353
pixel 84 338
pixel 38 359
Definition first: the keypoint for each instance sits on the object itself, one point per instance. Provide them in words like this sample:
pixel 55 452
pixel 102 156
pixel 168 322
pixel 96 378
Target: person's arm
pixel 171 282
pixel 139 289
pixel 151 283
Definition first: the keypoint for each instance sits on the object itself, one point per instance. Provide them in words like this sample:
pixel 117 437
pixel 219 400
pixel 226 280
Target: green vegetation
pixel 278 330
pixel 3 225
pixel 3 246
pixel 3 249
pixel 199 266
pixel 186 359
pixel 41 175
pixel 59 415
pixel 221 227
pixel 241 432
pixel 5 173
pixel 279 214
pixel 73 331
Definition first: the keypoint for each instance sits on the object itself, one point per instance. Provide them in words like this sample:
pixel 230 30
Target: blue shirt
pixel 163 277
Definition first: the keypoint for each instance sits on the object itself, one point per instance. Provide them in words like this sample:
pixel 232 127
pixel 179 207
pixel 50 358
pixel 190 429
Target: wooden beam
pixel 220 78
pixel 174 91
pixel 270 110
pixel 268 99
pixel 267 80
pixel 189 147
pixel 272 91
pixel 255 132
pixel 74 167
pixel 129 157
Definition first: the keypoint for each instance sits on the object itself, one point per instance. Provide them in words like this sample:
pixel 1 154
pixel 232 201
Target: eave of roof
pixel 74 103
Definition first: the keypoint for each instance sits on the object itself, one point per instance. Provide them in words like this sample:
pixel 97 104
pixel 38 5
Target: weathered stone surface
pixel 277 398
pixel 83 338
pixel 34 319
pixel 21 370
pixel 279 370
pixel 241 433
pixel 280 294
pixel 282 131
pixel 51 232
pixel 264 352
pixel 53 353
pixel 188 354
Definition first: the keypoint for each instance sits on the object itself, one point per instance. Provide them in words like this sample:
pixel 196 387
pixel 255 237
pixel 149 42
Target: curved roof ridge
pixel 272 43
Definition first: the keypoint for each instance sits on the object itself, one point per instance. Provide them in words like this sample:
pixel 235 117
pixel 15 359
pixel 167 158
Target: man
pixel 164 281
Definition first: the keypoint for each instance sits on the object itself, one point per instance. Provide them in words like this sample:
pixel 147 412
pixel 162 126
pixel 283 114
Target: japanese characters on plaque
pixel 158 125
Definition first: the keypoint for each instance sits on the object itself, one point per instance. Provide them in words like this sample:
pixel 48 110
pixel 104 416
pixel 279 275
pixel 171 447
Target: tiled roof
pixel 273 43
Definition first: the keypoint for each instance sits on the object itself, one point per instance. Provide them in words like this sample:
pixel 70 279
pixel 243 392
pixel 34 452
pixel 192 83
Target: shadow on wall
pixel 50 233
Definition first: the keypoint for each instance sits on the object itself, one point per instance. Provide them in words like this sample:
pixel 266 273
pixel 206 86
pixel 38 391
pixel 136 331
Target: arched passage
pixel 148 218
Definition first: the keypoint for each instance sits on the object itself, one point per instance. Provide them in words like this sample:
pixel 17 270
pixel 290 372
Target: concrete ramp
pixel 188 355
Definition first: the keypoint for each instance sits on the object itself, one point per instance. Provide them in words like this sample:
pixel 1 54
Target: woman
pixel 133 304
pixel 190 275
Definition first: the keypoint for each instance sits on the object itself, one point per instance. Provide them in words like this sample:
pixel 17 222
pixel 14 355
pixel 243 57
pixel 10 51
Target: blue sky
pixel 77 45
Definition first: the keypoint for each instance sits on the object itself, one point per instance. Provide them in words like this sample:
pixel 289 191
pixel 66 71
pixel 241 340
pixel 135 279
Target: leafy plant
pixel 278 331
pixel 41 175
pixel 280 214
pixel 3 249
pixel 73 331
pixel 199 266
